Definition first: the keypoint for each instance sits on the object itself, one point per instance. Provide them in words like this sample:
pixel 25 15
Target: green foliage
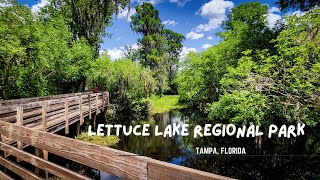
pixel 37 54
pixel 127 81
pixel 174 48
pixel 191 86
pixel 238 107
pixel 245 29
pixel 146 20
pixel 88 18
pixel 253 76
pixel 159 49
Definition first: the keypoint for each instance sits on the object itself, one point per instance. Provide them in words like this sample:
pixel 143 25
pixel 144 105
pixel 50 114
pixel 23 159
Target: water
pixel 275 158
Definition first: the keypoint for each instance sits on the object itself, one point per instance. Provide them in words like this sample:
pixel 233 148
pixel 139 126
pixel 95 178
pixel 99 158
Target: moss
pixel 165 103
pixel 98 140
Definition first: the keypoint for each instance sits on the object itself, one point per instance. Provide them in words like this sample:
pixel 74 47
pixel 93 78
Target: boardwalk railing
pixel 53 113
pixel 60 112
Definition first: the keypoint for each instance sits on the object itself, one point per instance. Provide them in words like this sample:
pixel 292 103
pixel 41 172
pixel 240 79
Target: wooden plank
pixel 115 162
pixel 66 110
pixel 7 109
pixel 162 170
pixel 4 176
pixel 41 163
pixel 24 173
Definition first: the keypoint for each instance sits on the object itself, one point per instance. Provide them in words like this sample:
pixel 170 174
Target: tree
pixel 88 18
pixel 37 54
pixel 153 44
pixel 174 48
pixel 247 26
pixel 288 80
pixel 146 20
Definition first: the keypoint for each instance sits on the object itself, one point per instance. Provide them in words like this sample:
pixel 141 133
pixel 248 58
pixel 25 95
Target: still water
pixel 274 158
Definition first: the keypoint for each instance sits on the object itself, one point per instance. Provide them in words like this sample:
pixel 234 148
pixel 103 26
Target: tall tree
pixel 173 50
pixel 146 21
pixel 88 18
pixel 247 26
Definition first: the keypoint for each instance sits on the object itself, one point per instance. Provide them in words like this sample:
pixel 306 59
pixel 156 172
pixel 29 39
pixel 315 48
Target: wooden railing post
pixel 89 97
pixel 97 104
pixel 66 111
pixel 108 96
pixel 80 109
pixel 20 123
pixel 44 128
pixel 44 116
pixel 102 109
pixel 4 139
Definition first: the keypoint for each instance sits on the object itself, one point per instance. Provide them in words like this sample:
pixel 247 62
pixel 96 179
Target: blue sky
pixel 198 20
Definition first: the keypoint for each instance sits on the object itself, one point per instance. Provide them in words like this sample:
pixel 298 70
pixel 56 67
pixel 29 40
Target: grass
pixel 98 140
pixel 165 103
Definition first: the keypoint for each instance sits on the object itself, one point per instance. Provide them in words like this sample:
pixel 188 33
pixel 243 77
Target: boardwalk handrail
pixel 119 163
pixel 41 98
pixel 32 111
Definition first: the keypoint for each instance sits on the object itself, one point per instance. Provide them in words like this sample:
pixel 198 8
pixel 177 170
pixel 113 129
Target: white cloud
pixel 272 19
pixel 206 46
pixel 180 2
pixel 215 11
pixel 298 13
pixel 184 52
pixel 193 35
pixel 169 22
pixel 273 16
pixel 135 46
pixel 115 53
pixel 126 13
pixel 209 37
pixel 36 8
pixel 274 9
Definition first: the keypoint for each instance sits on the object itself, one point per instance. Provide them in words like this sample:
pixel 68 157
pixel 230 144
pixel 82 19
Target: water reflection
pixel 275 158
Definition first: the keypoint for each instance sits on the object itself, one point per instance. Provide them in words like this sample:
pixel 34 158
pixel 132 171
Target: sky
pixel 197 20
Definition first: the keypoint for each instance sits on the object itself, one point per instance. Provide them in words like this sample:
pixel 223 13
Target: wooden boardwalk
pixel 33 122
